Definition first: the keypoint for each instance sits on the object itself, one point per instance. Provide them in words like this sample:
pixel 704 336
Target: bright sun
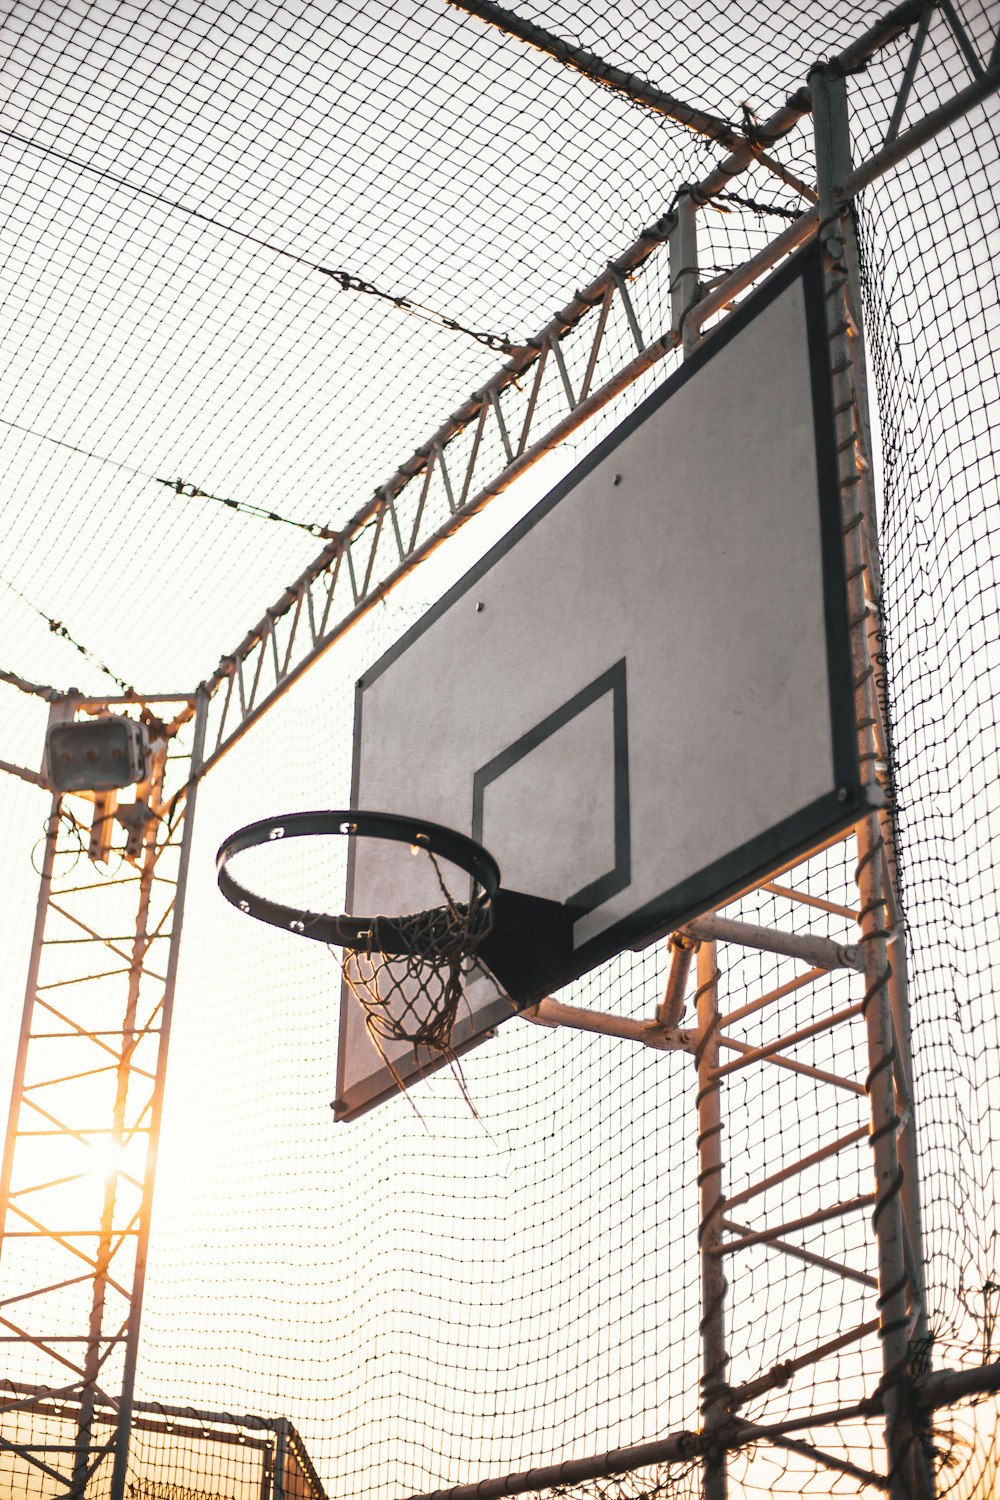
pixel 106 1160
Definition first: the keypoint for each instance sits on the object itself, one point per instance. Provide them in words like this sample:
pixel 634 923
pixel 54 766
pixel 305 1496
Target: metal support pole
pixel 280 1458
pixel 79 1042
pixel 683 251
pixel 909 1475
pixel 701 121
pixel 655 1033
pixel 126 1402
pixel 898 989
pixel 908 1157
pixel 682 950
pixel 715 1392
pixel 92 1358
pixel 711 1200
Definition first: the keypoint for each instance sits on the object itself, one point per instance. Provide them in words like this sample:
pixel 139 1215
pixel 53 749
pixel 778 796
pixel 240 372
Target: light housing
pixel 96 755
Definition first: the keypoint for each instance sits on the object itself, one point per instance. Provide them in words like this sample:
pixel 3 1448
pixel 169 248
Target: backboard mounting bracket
pixel 553 1013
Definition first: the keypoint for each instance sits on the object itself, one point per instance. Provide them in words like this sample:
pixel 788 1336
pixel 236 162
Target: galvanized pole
pixel 714 1386
pixel 909 1474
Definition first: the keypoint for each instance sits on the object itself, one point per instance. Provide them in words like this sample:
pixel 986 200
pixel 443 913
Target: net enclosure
pixel 303 308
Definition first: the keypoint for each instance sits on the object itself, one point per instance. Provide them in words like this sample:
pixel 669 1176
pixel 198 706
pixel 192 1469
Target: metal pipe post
pixel 711 1201
pixel 897 984
pixel 811 950
pixel 682 950
pixel 715 1413
pixel 683 250
pixel 280 1459
pixel 105 1246
pixel 909 1476
pixel 908 1157
pixel 127 1398
pixel 30 992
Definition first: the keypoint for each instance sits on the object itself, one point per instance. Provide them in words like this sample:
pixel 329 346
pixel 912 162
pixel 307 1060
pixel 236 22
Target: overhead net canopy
pixel 254 262
pixel 254 258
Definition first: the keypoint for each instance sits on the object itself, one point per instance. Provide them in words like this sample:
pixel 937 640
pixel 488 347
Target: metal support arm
pixel 653 1034
pixel 812 950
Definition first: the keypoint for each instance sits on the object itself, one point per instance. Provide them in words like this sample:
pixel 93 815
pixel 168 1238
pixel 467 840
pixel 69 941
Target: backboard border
pixel 750 862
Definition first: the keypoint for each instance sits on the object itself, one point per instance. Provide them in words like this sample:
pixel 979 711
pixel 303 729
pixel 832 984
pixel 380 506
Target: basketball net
pixel 413 996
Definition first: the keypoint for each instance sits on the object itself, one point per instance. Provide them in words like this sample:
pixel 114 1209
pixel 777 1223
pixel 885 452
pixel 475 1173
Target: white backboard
pixel 640 700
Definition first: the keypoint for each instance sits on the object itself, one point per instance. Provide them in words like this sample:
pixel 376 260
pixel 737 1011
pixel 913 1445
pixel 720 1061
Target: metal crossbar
pixel 809 1257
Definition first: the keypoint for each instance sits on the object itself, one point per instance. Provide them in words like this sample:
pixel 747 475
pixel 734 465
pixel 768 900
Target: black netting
pixel 933 321
pixel 256 255
pixel 410 979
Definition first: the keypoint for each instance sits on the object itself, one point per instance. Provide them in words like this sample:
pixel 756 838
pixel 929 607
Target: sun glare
pixel 106 1160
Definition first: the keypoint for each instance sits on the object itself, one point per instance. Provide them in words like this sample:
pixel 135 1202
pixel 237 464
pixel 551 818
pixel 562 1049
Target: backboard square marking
pixel 610 684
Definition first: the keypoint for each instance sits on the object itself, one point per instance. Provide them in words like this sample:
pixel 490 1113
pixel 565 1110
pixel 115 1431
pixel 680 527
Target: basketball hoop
pixel 406 971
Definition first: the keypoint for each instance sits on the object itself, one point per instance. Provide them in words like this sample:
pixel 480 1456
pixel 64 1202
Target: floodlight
pixel 96 755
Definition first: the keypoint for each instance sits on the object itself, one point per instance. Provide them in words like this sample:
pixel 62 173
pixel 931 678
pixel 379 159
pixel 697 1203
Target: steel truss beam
pixel 76 1181
pixel 639 90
